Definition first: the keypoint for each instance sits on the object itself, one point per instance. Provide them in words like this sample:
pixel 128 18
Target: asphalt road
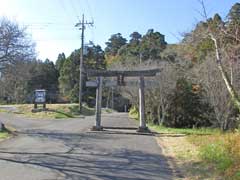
pixel 68 150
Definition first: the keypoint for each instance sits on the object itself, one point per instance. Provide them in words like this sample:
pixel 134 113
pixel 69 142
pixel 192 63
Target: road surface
pixel 68 150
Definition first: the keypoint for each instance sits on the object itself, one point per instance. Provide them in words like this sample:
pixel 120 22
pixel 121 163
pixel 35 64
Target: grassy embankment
pixel 54 111
pixel 200 153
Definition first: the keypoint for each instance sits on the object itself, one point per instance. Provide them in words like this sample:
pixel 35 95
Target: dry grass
pixel 184 157
pixel 222 151
pixel 211 157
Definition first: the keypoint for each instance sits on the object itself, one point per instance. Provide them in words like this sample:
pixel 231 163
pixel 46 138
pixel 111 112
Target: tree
pixel 69 77
pixel 43 75
pixel 69 73
pixel 234 14
pixel 60 61
pixel 196 45
pixel 216 38
pixel 135 38
pixel 16 53
pixel 216 94
pixel 15 45
pixel 14 82
pixel 166 84
pixel 187 109
pixel 140 48
pixel 152 44
pixel 115 42
pixel 95 58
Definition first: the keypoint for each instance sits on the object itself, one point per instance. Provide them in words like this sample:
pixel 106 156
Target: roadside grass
pixel 185 131
pixel 133 113
pixel 55 111
pixel 3 135
pixel 222 151
pixel 202 153
pixel 107 110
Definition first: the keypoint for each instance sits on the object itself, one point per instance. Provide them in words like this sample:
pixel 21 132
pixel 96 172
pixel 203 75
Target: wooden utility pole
pixel 82 24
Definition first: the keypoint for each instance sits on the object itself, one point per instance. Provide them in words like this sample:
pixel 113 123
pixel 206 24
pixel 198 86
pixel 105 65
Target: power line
pixel 91 15
pixel 56 39
pixel 74 9
pixel 89 8
pixel 64 8
pixel 51 28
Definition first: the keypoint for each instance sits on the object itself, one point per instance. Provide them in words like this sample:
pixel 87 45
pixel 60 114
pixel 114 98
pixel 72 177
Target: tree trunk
pixel 163 114
pixel 159 114
pixel 231 72
pixel 108 99
pixel 231 91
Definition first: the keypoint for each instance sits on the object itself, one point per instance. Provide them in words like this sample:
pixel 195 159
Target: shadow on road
pixel 118 165
pixel 90 158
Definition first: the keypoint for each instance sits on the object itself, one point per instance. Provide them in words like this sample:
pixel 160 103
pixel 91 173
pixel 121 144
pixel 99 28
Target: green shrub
pixel 187 108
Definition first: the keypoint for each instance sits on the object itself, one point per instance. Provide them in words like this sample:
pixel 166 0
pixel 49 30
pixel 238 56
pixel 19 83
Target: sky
pixel 51 23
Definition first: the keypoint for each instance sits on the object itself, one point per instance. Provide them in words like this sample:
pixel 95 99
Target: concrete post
pixel 98 126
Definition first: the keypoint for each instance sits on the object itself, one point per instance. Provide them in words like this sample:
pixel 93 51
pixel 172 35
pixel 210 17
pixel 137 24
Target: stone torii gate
pixel 120 75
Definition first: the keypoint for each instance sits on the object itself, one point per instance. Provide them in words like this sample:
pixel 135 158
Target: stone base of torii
pixel 121 74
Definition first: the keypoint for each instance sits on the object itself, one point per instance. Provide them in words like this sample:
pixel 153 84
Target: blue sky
pixel 51 22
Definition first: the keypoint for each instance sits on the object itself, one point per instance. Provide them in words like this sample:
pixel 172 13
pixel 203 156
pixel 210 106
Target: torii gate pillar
pixel 98 126
pixel 142 125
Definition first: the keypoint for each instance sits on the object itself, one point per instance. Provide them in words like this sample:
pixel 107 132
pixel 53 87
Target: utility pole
pixel 82 24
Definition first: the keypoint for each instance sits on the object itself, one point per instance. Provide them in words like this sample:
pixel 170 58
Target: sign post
pixel 40 98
